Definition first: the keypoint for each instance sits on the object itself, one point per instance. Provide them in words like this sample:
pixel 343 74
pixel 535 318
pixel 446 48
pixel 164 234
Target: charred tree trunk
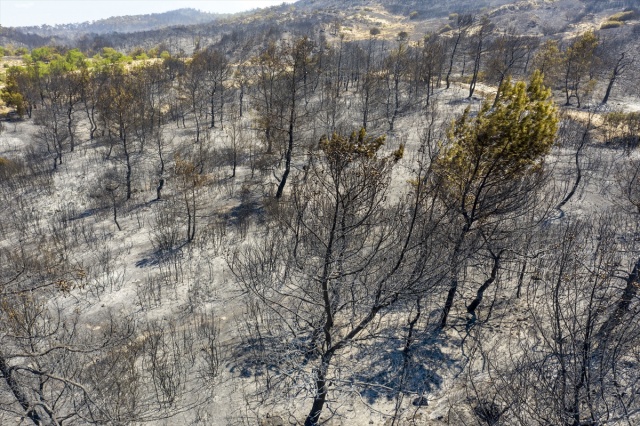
pixel 17 392
pixel 471 308
pixel 288 155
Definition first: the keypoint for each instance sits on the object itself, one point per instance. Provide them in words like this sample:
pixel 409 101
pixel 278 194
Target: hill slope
pixel 126 24
pixel 354 18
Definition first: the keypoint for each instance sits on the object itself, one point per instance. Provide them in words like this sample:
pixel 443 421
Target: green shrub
pixel 623 16
pixel 611 24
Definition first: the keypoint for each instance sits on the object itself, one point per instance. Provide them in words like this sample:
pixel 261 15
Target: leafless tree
pixel 568 363
pixel 325 280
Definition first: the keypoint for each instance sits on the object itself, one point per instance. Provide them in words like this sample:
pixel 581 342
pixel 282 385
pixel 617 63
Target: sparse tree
pixel 507 53
pixel 463 23
pixel 616 59
pixel 477 45
pixel 493 162
pixel 190 180
pixel 119 107
pixel 327 277
pixel 578 67
pixel 216 72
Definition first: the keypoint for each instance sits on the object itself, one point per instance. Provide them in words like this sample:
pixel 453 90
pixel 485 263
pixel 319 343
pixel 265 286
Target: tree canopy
pixel 497 145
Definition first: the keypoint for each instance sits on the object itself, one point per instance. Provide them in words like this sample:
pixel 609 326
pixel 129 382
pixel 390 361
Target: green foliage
pixel 548 60
pixel 12 93
pixel 621 126
pixel 8 50
pixel 413 15
pixel 112 56
pixel 623 16
pixel 14 100
pixel 358 145
pixel 617 118
pixel 140 55
pixel 43 54
pixel 73 60
pixel 136 52
pixel 482 76
pixel 341 152
pixel 154 52
pixel 611 24
pixel 578 62
pixel 499 145
pixel 583 48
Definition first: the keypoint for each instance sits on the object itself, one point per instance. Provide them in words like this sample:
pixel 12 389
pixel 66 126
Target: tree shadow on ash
pixel 87 213
pixel 255 356
pixel 246 210
pixel 385 371
pixel 379 370
pixel 627 144
pixel 464 101
pixel 160 256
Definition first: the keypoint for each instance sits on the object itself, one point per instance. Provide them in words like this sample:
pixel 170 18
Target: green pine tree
pixel 492 161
